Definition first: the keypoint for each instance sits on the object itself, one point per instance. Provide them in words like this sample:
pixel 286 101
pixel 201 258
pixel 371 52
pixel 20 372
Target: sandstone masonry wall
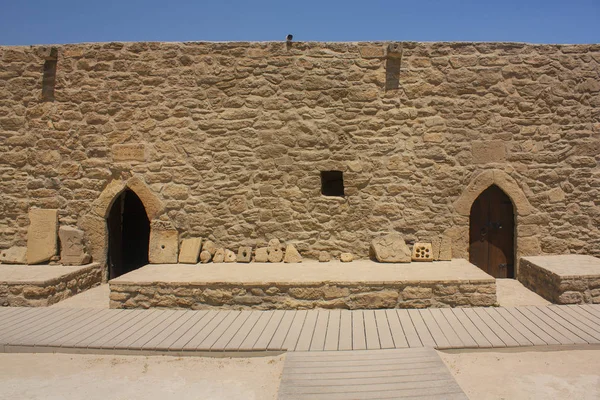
pixel 558 289
pixel 43 294
pixel 230 138
pixel 479 293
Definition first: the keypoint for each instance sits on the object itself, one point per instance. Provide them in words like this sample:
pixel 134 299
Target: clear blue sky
pixel 26 22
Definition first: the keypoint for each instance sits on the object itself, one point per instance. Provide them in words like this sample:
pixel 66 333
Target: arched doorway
pixel 128 234
pixel 491 233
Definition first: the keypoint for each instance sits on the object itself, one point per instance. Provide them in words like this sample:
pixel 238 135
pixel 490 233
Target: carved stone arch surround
pixel 462 206
pixel 94 222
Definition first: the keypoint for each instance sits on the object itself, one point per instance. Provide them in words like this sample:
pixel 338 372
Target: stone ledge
pixel 27 291
pixel 565 279
pixel 365 285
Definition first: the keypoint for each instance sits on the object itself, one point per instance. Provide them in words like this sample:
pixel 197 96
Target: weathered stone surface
pixel 562 279
pixel 72 248
pixel 261 254
pixel 274 244
pixel 205 256
pixel 390 248
pixel 14 255
pixel 324 256
pixel 190 250
pixel 346 257
pixel 488 151
pixel 219 255
pixel 271 128
pixel 210 246
pixel 445 249
pixel 275 254
pixel 292 255
pixel 229 256
pixel 42 235
pixel 381 299
pixel 244 254
pixel 163 247
pixel 44 294
pixel 129 152
pixel 422 252
pixel 372 51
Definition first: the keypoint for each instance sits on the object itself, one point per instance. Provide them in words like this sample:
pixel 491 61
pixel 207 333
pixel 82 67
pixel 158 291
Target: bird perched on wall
pixel 289 37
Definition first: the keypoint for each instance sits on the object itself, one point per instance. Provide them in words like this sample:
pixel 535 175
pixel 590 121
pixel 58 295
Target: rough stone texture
pixel 289 297
pixel 346 257
pixel 566 279
pixel 261 254
pixel 324 256
pixel 46 293
pixel 163 247
pixel 422 252
pixel 210 246
pixel 390 248
pixel 275 254
pixel 219 256
pixel 244 254
pixel 190 250
pixel 72 248
pixel 229 256
pixel 42 243
pixel 205 256
pixel 292 255
pixel 258 121
pixel 14 255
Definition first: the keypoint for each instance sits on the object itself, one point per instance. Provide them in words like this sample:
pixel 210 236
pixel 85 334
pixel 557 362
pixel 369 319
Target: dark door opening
pixel 491 233
pixel 128 234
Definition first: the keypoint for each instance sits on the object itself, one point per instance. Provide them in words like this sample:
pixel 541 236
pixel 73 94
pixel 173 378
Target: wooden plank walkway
pixel 184 331
pixel 370 374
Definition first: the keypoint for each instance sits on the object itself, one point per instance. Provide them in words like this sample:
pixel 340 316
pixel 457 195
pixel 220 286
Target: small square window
pixel 332 183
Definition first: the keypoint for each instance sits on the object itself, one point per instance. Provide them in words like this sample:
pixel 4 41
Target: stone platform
pixel 361 284
pixel 44 285
pixel 562 279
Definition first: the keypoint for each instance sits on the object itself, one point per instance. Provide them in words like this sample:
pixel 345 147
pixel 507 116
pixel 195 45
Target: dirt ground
pixel 527 374
pixel 93 377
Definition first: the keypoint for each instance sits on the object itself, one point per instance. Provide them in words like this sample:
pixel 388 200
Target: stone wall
pixel 228 140
pixel 480 293
pixel 570 289
pixel 46 293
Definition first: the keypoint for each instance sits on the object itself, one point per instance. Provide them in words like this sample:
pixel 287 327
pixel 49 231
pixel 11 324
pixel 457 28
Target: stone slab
pixel 163 247
pixel 308 272
pixel 129 152
pixel 42 235
pixel 72 249
pixel 568 265
pixel 267 286
pixel 43 285
pixel 13 255
pixel 562 279
pixel 190 250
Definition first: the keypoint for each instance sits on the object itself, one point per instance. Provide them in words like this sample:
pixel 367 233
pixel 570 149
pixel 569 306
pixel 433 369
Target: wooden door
pixel 491 234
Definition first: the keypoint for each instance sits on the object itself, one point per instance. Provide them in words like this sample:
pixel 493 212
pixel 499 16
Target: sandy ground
pixel 92 377
pixel 512 293
pixel 534 374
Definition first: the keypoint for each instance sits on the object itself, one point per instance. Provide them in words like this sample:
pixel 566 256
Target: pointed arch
pixel 486 179
pixel 94 222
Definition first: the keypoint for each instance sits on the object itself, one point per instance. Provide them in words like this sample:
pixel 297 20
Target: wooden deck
pixel 371 374
pixel 190 332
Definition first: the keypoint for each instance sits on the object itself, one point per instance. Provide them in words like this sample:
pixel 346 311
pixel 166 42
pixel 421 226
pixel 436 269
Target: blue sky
pixel 24 22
